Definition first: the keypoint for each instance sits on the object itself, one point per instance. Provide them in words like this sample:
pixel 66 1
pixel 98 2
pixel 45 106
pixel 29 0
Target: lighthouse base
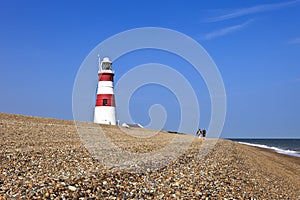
pixel 105 115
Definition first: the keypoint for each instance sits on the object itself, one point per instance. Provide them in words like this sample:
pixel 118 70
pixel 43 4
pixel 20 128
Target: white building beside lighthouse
pixel 105 109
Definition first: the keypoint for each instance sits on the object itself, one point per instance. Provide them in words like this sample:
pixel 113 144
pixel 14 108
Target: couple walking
pixel 201 133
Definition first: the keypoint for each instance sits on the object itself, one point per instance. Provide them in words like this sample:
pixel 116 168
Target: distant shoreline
pixel 260 143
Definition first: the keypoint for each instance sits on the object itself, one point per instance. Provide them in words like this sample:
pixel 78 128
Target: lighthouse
pixel 105 109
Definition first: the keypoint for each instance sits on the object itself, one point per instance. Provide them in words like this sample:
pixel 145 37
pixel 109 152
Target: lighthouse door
pixel 104 102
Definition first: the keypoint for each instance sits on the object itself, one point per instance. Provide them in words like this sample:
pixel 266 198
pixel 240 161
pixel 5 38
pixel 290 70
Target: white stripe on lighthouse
pixel 105 115
pixel 105 84
pixel 105 90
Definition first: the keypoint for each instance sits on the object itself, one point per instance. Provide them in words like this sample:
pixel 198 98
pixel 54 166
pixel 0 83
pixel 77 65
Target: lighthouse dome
pixel 106 59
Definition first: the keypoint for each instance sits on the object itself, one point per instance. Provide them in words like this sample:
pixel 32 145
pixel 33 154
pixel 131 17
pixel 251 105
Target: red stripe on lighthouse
pixel 105 100
pixel 106 77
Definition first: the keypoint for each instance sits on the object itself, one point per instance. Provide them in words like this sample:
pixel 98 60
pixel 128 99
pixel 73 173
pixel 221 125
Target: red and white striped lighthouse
pixel 105 110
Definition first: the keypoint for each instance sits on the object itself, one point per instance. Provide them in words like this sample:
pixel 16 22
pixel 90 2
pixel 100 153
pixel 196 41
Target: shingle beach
pixel 44 158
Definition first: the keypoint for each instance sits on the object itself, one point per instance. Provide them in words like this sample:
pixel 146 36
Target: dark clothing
pixel 204 132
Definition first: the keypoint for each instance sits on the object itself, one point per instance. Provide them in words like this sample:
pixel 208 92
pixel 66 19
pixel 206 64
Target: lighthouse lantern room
pixel 105 110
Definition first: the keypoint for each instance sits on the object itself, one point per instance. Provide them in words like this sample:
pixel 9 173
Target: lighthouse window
pixel 106 66
pixel 104 102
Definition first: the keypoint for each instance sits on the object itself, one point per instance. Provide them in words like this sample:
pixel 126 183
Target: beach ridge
pixel 45 158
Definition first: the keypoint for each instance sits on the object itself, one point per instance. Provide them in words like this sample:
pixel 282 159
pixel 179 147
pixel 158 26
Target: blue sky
pixel 255 44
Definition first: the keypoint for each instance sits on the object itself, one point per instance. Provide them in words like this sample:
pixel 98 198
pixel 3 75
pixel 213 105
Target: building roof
pixel 132 125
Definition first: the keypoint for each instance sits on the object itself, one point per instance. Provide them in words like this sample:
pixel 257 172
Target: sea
pixel 284 146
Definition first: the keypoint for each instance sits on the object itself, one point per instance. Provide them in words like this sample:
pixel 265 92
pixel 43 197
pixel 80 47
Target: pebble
pixel 72 188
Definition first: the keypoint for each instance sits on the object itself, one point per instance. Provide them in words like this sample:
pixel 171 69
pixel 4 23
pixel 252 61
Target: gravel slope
pixel 45 159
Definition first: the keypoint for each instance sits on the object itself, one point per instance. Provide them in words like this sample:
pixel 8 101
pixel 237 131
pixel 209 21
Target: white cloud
pixel 295 41
pixel 225 31
pixel 252 10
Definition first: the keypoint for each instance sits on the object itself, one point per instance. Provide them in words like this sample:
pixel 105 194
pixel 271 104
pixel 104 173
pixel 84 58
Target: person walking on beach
pixel 204 133
pixel 199 133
